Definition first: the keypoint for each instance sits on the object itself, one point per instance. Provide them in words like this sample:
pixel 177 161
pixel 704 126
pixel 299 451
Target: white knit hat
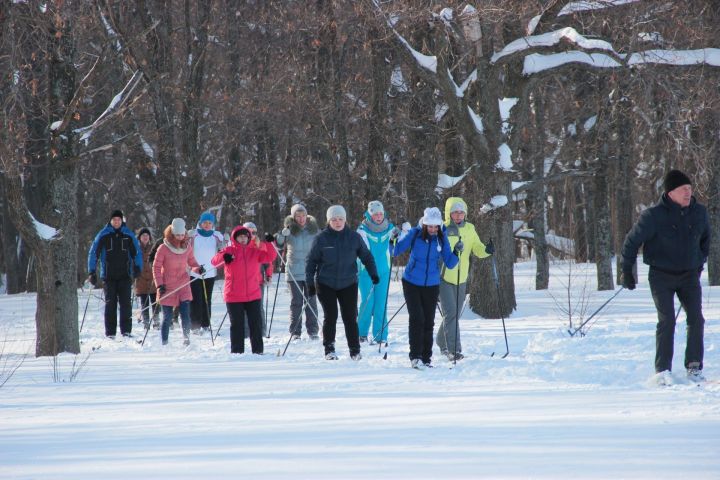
pixel 178 226
pixel 431 216
pixel 250 226
pixel 375 207
pixel 336 211
pixel 458 207
pixel 298 207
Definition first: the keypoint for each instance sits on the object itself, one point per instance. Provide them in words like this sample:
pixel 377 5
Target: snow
pixel 55 125
pixel 495 202
pixel 446 181
pixel 586 5
pixel 506 104
pixel 397 80
pixel 46 232
pixel 440 111
pixel 460 91
pixel 709 56
pixel 147 148
pixel 505 161
pixel 556 407
pixel 568 34
pixel 590 123
pixel 532 24
pixel 477 121
pixel 536 62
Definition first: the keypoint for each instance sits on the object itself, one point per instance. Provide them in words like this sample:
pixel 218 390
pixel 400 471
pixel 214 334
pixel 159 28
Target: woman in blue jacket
pixel 331 269
pixel 428 246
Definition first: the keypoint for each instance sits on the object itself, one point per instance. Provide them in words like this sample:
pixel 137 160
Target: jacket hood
pixel 311 226
pixel 448 205
pixel 238 230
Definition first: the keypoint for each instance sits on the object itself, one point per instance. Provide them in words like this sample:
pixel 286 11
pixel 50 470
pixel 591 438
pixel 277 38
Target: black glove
pixel 269 237
pixel 162 289
pixel 375 279
pixel 311 290
pixel 459 247
pixel 201 270
pixel 228 258
pixel 628 280
pixel 136 271
pixel 490 248
pixel 93 279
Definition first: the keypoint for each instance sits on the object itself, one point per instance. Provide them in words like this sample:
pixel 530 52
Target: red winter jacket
pixel 241 275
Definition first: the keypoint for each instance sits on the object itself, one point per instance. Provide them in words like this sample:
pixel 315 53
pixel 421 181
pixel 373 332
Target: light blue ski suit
pixel 373 309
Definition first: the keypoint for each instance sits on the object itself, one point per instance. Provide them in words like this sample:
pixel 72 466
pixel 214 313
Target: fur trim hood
pixel 311 226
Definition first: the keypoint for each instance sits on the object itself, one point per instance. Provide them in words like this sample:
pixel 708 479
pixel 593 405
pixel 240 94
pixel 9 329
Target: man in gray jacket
pixel 300 229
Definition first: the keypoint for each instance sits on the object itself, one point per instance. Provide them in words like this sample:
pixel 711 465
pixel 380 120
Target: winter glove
pixel 628 280
pixel 459 247
pixel 93 279
pixel 201 270
pixel 490 248
pixel 162 289
pixel 311 290
pixel 228 258
pixel 269 237
pixel 375 279
pixel 268 279
pixel 285 232
pixel 136 271
pixel 406 227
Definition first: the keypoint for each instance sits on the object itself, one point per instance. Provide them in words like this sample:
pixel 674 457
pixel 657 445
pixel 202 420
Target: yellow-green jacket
pixel 470 239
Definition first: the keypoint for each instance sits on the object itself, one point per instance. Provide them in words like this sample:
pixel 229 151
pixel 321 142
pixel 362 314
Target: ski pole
pixel 457 306
pixel 578 329
pixel 500 305
pixel 84 312
pixel 290 337
pixel 217 332
pixel 272 315
pixel 207 307
pixel 388 326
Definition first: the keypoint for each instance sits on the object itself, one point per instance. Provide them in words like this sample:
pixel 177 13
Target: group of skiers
pixel 330 264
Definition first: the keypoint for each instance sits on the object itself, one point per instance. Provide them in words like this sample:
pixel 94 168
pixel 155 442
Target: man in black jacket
pixel 675 235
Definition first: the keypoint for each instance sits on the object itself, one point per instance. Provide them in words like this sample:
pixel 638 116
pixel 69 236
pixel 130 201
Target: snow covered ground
pixel 556 407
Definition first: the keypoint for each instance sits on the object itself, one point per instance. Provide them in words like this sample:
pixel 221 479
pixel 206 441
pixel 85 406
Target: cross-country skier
pixel 332 271
pixel 428 246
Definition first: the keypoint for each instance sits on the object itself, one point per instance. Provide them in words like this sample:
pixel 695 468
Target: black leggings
pixel 329 299
pixel 421 304
pixel 236 312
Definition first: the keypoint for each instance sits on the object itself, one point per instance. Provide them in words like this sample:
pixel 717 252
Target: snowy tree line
pixel 553 119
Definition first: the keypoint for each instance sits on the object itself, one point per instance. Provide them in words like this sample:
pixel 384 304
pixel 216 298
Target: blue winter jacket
pixel 423 268
pixel 117 251
pixel 674 239
pixel 333 258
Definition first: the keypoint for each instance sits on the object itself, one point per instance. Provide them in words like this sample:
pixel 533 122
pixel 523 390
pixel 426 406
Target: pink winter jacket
pixel 171 268
pixel 242 282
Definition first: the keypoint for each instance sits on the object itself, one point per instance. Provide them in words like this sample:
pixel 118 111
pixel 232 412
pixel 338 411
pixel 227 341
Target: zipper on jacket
pixel 427 262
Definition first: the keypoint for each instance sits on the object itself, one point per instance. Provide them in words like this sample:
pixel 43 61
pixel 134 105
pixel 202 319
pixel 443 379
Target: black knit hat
pixel 675 179
pixel 144 230
pixel 117 213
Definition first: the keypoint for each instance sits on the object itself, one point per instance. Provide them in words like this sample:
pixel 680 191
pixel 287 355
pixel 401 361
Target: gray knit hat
pixel 336 211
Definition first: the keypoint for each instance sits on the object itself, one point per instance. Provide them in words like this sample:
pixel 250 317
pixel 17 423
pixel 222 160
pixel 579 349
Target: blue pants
pixel 374 308
pixel 168 318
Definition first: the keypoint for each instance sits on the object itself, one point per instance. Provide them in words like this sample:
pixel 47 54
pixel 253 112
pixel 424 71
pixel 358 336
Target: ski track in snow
pixel 556 407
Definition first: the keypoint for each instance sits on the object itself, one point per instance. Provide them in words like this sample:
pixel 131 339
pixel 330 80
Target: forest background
pixel 553 120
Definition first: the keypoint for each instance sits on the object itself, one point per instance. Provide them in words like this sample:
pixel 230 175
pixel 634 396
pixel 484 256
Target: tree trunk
pixel 622 190
pixel 603 233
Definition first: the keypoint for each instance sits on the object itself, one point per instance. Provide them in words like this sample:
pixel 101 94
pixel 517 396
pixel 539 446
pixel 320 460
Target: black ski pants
pixel 118 292
pixel 200 310
pixel 347 298
pixel 664 286
pixel 236 312
pixel 421 304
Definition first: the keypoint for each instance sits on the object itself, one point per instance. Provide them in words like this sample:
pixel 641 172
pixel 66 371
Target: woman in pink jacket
pixel 173 262
pixel 242 260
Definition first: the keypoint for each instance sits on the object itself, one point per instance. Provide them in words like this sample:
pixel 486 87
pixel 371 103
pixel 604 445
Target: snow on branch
pixel 550 39
pixel 114 106
pixel 426 61
pixel 536 62
pixel 495 202
pixel 45 232
pixel 587 5
pixel 708 56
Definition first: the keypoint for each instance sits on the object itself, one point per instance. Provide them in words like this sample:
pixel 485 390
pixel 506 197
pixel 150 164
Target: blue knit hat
pixel 205 217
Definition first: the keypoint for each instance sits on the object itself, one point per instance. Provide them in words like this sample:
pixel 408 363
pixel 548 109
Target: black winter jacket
pixel 674 239
pixel 333 258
